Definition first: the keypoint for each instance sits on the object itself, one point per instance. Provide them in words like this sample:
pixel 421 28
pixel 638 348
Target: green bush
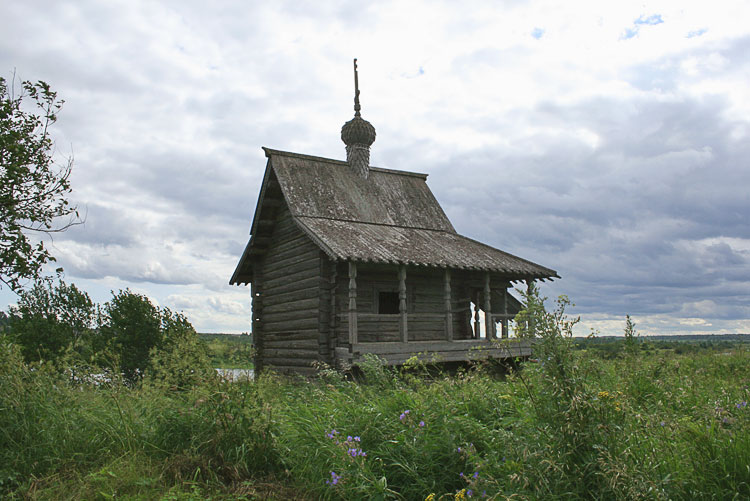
pixel 131 325
pixel 181 360
pixel 49 319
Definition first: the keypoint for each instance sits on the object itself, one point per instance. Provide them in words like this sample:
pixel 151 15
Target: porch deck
pixel 396 353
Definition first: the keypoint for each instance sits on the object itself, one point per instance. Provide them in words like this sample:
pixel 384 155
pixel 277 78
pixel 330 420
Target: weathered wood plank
pixel 291 335
pixel 448 305
pixel 288 362
pixel 403 325
pixel 457 345
pixel 352 302
pixel 289 312
pixel 282 325
pixel 300 304
pixel 291 353
pixel 295 296
pixel 304 344
pixel 299 280
pixel 291 247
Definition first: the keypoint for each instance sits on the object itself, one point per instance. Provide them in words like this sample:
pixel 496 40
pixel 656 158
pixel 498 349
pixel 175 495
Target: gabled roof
pixel 323 188
pixel 389 217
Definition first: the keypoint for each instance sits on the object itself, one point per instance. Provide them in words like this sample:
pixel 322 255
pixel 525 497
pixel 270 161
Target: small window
pixel 388 303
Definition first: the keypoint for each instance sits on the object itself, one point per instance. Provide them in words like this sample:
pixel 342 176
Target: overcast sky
pixel 606 140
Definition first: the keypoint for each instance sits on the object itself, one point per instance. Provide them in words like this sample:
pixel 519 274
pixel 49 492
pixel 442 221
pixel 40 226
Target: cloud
pixel 621 165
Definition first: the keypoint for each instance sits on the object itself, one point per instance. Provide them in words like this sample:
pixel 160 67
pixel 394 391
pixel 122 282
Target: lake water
pixel 236 374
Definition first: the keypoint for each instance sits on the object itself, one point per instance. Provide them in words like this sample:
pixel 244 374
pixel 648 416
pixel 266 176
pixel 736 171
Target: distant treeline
pixel 690 338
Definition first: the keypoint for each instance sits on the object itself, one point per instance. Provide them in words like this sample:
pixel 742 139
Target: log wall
pixel 291 284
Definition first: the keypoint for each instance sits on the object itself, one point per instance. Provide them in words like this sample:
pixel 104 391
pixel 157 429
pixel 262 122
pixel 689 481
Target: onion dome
pixel 358 135
pixel 358 131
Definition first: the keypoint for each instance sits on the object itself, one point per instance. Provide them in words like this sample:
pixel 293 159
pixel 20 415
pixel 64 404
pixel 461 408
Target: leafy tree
pixel 132 326
pixel 4 321
pixel 33 188
pixel 182 360
pixel 48 319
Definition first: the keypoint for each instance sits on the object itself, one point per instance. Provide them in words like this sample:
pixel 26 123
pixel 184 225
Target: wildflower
pixel 742 404
pixel 421 424
pixel 354 452
pixel 662 423
pixel 461 474
pixel 469 493
pixel 459 449
pixel 475 475
pixel 349 438
pixel 334 479
pixel 430 497
pixel 603 394
pixel 356 439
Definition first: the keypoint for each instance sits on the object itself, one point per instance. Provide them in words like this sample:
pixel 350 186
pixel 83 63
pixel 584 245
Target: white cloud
pixel 616 160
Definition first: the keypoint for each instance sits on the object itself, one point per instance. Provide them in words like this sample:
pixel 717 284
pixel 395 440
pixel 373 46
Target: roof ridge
pixel 270 151
pixel 374 224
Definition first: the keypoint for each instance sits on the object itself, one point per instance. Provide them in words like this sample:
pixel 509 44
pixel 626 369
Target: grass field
pixel 646 424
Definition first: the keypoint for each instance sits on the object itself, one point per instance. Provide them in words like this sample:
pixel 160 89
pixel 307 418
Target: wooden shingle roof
pixel 389 217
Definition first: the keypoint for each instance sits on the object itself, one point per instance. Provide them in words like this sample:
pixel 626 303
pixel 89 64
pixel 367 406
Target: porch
pixel 396 353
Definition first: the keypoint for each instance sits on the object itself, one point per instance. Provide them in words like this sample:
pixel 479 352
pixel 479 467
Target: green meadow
pixel 637 421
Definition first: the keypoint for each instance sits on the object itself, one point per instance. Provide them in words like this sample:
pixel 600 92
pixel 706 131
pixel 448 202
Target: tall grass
pixel 645 426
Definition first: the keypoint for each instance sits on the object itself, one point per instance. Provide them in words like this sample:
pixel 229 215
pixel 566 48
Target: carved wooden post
pixel 505 314
pixel 332 340
pixel 477 324
pixel 489 325
pixel 448 305
pixel 352 304
pixel 403 327
pixel 529 286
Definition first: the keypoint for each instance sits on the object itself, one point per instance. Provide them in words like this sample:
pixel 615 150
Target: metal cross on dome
pixel 357 107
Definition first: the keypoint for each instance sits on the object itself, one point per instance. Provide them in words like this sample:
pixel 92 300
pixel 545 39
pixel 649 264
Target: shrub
pixel 132 327
pixel 181 361
pixel 50 319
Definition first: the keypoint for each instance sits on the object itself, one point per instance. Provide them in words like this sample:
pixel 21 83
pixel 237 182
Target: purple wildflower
pixel 662 423
pixel 334 479
pixel 356 439
pixel 461 474
pixel 421 424
pixel 475 475
pixel 349 438
pixel 469 493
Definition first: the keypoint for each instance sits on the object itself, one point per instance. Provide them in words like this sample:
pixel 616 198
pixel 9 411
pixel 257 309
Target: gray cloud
pixel 635 191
